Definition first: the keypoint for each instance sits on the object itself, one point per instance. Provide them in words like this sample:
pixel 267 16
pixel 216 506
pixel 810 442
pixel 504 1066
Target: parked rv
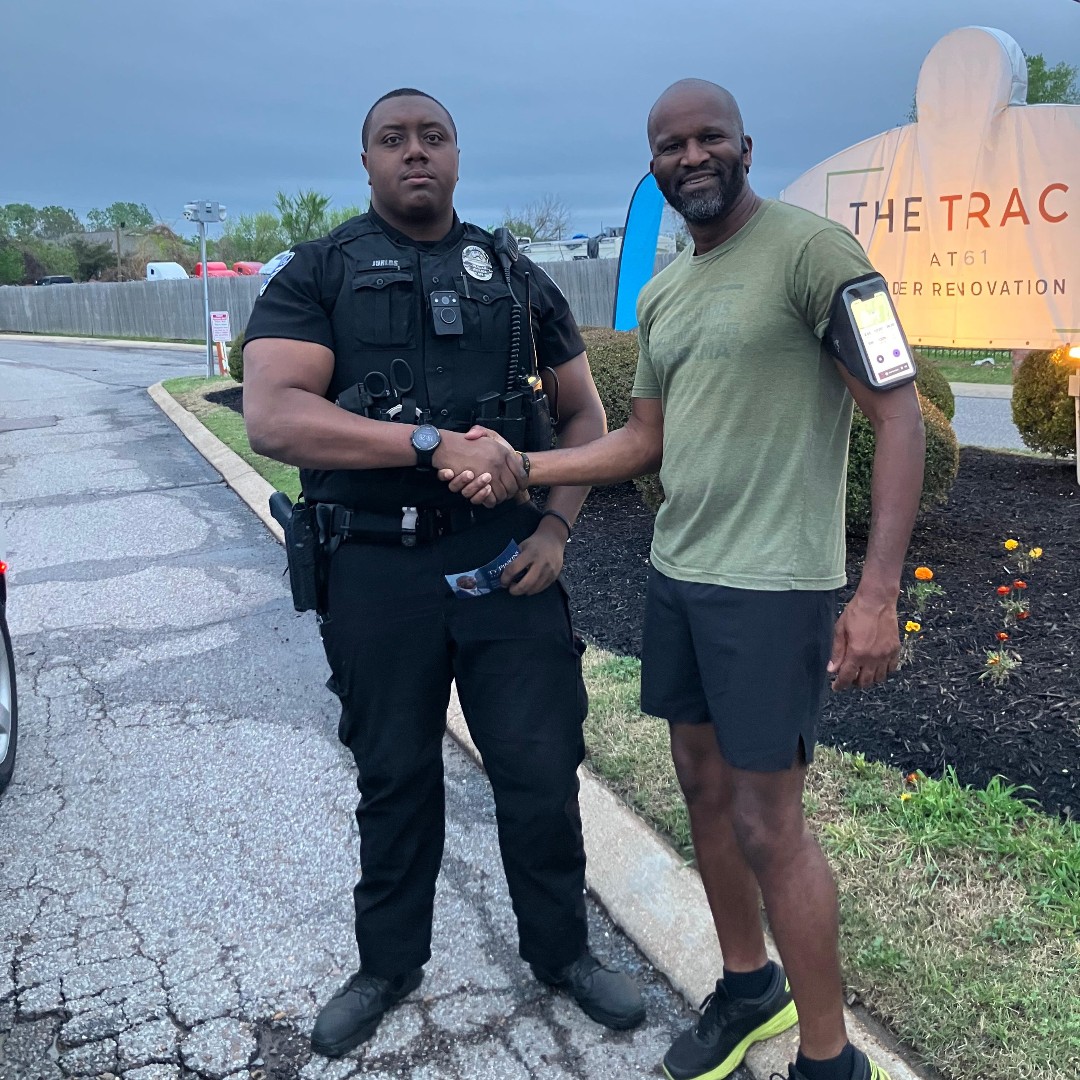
pixel 165 271
pixel 605 245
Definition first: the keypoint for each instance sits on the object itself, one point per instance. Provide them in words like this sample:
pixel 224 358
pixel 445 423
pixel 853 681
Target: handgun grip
pixel 281 508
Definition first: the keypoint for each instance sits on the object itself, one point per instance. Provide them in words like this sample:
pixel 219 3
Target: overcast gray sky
pixel 231 100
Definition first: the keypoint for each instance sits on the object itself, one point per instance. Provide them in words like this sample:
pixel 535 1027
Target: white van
pixel 162 271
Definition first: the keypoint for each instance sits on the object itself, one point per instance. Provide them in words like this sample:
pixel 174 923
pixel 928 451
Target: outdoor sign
pixel 637 258
pixel 219 326
pixel 972 214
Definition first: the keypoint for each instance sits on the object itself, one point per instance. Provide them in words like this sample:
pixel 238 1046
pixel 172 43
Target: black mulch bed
pixel 935 712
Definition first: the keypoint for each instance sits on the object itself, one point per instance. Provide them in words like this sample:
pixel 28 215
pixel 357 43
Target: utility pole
pixel 119 226
pixel 205 213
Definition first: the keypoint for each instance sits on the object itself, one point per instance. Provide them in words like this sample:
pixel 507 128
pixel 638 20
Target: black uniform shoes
pixel 351 1016
pixel 728 1027
pixel 605 995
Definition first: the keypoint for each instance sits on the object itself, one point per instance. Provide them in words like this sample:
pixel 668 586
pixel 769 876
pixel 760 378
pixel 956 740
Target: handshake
pixel 480 465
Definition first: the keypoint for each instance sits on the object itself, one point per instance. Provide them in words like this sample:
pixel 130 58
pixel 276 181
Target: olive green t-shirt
pixel 756 416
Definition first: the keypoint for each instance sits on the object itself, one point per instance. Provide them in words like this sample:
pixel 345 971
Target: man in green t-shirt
pixel 748 417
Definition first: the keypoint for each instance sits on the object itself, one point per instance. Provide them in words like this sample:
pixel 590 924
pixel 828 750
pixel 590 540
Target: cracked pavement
pixel 177 847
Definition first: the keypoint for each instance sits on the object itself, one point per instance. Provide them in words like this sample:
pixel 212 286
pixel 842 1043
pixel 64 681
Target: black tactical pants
pixel 395 639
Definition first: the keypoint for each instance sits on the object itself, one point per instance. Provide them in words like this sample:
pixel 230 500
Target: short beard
pixel 699 209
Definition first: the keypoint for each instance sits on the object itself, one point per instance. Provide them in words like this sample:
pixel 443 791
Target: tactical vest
pixel 382 314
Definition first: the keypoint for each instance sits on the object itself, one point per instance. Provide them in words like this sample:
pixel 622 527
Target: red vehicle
pixel 9 706
pixel 246 269
pixel 215 269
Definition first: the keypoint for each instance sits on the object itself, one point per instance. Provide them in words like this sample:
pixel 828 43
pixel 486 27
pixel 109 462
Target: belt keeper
pixel 408 526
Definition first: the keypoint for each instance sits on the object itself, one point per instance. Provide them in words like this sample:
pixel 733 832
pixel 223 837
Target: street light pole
pixel 203 214
pixel 206 301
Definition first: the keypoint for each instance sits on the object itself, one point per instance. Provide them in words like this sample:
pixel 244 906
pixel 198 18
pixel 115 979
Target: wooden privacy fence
pixel 174 309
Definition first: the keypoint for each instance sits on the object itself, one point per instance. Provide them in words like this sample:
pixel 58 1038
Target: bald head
pixel 692 94
pixel 700 154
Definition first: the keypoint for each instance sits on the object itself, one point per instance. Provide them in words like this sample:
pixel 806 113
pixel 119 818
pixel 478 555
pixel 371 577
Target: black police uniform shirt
pixel 364 293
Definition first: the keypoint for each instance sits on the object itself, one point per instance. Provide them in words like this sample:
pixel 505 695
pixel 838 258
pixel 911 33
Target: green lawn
pixel 960 907
pixel 957 365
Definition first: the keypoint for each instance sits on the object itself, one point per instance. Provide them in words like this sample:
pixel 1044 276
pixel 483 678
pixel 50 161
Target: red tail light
pixel 3 567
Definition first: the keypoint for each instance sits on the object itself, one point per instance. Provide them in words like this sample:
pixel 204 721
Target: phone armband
pixel 865 335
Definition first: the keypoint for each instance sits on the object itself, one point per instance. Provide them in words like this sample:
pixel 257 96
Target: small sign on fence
pixel 219 326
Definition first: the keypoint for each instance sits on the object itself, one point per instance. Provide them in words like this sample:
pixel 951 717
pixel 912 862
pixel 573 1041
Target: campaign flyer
pixel 484 579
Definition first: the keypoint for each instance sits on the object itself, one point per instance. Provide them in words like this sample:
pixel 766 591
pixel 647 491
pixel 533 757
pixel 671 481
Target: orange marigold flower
pixel 912 778
pixel 1018 584
pixel 991 660
pixel 1002 636
pixel 1003 590
pixel 1011 545
pixel 1022 614
pixel 924 573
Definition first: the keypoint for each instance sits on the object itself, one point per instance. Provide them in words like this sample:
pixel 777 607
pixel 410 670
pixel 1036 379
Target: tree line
pixel 40 241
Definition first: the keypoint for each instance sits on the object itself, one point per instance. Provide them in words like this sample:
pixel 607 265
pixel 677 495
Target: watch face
pixel 426 437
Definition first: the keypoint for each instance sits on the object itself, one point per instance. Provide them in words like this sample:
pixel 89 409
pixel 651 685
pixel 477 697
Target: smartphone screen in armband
pixel 885 356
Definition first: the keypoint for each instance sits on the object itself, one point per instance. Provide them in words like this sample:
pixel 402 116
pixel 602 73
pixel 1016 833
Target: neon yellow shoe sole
pixel 786 1018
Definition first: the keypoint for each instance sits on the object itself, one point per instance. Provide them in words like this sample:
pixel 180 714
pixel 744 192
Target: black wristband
pixel 556 514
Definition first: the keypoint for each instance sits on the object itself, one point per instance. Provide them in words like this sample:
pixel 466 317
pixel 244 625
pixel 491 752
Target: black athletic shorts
pixel 750 662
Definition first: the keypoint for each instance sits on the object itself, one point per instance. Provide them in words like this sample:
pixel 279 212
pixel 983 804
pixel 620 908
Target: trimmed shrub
pixel 236 357
pixel 933 384
pixel 942 464
pixel 1041 407
pixel 613 356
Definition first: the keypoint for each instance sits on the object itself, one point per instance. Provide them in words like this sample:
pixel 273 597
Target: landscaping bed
pixel 935 712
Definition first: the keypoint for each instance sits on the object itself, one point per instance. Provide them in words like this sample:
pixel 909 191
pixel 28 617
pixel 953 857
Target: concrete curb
pixel 112 343
pixel 646 888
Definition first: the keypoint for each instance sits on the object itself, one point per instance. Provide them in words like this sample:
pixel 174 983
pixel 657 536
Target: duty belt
pixel 414 525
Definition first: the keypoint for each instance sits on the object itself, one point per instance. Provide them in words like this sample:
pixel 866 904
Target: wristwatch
pixel 425 441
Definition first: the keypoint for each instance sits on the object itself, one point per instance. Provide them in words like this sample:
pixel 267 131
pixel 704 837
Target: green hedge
pixel 236 357
pixel 942 464
pixel 613 359
pixel 933 384
pixel 1042 410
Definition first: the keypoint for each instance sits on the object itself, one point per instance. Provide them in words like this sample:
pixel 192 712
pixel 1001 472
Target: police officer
pixel 368 355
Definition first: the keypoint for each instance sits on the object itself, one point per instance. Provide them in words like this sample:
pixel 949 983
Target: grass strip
pixel 228 426
pixel 960 907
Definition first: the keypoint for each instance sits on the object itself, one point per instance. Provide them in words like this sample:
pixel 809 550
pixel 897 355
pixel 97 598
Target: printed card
pixel 484 579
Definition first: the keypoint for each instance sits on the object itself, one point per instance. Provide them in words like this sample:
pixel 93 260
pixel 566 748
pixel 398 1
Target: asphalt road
pixel 986 421
pixel 177 848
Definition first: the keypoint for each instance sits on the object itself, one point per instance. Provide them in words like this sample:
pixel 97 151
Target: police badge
pixel 476 262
